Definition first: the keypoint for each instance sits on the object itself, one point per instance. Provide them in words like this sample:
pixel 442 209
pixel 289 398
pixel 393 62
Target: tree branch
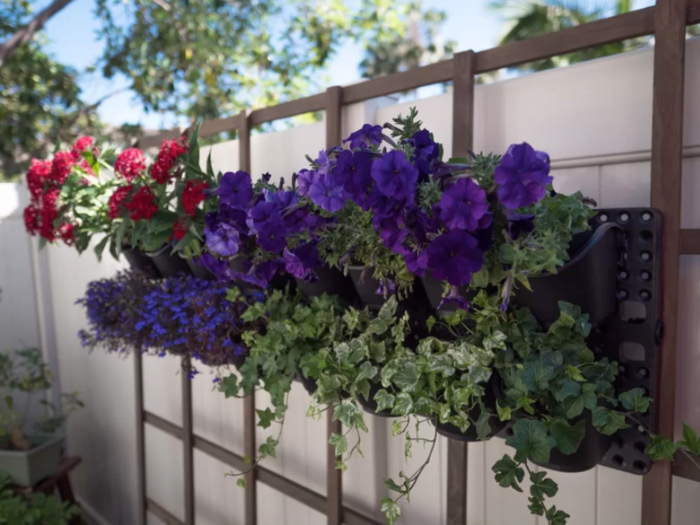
pixel 22 36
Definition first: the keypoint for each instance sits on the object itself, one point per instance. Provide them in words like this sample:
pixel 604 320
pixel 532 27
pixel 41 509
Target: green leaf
pixel 241 482
pixel 587 399
pixel 349 415
pixel 483 428
pixel 690 440
pixel 392 485
pixel 536 506
pixel 536 375
pixel 661 448
pixel 568 389
pixel 567 437
pixel 634 400
pixel 508 473
pixel 340 443
pixel 530 440
pixel 229 386
pixel 100 247
pixel 406 378
pixel 162 221
pixel 441 363
pixel 556 517
pixel 575 374
pixel 504 413
pixel 608 421
pixel 384 400
pixel 269 448
pixel 542 486
pixel 391 510
pixel 367 371
pixel 402 405
pixel 265 417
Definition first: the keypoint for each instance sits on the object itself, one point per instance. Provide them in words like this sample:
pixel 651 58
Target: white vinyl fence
pixel 595 121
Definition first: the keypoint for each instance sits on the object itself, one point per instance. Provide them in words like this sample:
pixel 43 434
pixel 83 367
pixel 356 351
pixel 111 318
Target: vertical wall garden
pixel 462 297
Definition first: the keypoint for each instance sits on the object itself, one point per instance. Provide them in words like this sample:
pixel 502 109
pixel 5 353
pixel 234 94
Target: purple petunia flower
pixel 353 172
pixel 519 223
pixel 454 257
pixel 223 240
pixel 306 179
pixel 426 150
pixel 392 235
pixel 327 194
pixel 454 296
pixel 383 206
pixel 396 177
pixel 301 261
pixel 283 199
pixel 386 287
pixel 218 267
pixel 236 189
pixel 463 204
pixel 233 217
pixel 416 262
pixel 368 135
pixel 272 236
pixel 323 163
pixel 262 212
pixel 418 223
pixel 522 176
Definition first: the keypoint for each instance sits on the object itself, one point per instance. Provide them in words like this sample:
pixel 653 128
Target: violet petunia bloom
pixel 218 267
pixel 272 236
pixel 454 257
pixel 383 206
pixel 306 179
pixel 262 212
pixel 463 204
pixel 396 177
pixel 353 172
pixel 236 190
pixel 368 135
pixel 284 199
pixel 301 261
pixel 223 240
pixel 519 223
pixel 418 223
pixel 327 194
pixel 455 297
pixel 392 235
pixel 233 217
pixel 386 287
pixel 522 176
pixel 426 150
pixel 323 162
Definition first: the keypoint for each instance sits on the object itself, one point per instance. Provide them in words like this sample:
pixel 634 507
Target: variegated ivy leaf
pixel 384 400
pixel 402 404
pixel 366 371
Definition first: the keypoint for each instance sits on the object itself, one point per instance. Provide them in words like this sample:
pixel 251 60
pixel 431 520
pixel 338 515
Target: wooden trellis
pixel 667 22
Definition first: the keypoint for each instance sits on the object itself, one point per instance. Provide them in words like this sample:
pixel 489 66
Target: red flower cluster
pixel 48 213
pixel 36 177
pixel 61 166
pixel 66 233
pixel 192 195
pixel 116 201
pixel 79 146
pixel 142 205
pixel 31 219
pixel 130 163
pixel 169 152
pixel 180 228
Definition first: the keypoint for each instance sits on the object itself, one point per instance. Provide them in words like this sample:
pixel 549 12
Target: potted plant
pixel 34 509
pixel 30 456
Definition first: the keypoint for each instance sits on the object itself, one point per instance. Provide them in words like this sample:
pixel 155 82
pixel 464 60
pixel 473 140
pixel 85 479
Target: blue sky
pixel 73 40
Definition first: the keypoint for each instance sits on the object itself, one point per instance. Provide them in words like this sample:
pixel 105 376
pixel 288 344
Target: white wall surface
pixel 595 121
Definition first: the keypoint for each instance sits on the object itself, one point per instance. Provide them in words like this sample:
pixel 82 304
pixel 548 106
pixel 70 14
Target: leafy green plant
pixel 25 372
pixel 35 509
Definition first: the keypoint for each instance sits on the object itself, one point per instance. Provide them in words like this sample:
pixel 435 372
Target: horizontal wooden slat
pixel 288 109
pixel 690 242
pixel 592 34
pixel 684 468
pixel 162 514
pixel 398 82
pixel 215 451
pixel 294 490
pixel 162 424
pixel 219 125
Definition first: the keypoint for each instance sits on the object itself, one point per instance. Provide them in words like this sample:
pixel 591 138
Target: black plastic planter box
pixel 331 281
pixel 308 384
pixel 588 280
pixel 371 405
pixel 199 271
pixel 366 286
pixel 169 264
pixel 140 262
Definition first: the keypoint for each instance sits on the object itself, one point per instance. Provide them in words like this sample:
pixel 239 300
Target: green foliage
pixel 35 509
pixel 530 440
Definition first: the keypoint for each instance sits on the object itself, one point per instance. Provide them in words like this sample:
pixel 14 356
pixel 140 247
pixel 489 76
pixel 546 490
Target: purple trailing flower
pixel 383 206
pixel 418 223
pixel 519 223
pixel 301 261
pixel 368 135
pixel 224 240
pixel 455 297
pixel 236 190
pixel 353 172
pixel 306 179
pixel 327 194
pixel 522 176
pixel 283 199
pixel 261 213
pixel 396 177
pixel 392 235
pixel 463 204
pixel 233 217
pixel 416 262
pixel 454 257
pixel 272 235
pixel 218 267
pixel 426 150
pixel 386 287
pixel 323 163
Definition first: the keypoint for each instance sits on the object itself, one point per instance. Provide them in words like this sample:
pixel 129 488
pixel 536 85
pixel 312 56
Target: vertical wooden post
pixel 187 442
pixel 666 169
pixel 334 478
pixel 462 140
pixel 140 441
pixel 249 447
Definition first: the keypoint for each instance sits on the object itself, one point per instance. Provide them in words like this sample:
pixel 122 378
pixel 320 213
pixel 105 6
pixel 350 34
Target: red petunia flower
pixel 67 234
pixel 192 195
pixel 61 167
pixel 130 163
pixel 169 152
pixel 79 146
pixel 48 213
pixel 36 176
pixel 116 201
pixel 180 228
pixel 142 205
pixel 31 219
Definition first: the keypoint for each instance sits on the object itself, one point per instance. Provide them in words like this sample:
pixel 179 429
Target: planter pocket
pixel 331 281
pixel 308 383
pixel 366 286
pixel 370 405
pixel 28 467
pixel 199 271
pixel 169 264
pixel 588 280
pixel 140 262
